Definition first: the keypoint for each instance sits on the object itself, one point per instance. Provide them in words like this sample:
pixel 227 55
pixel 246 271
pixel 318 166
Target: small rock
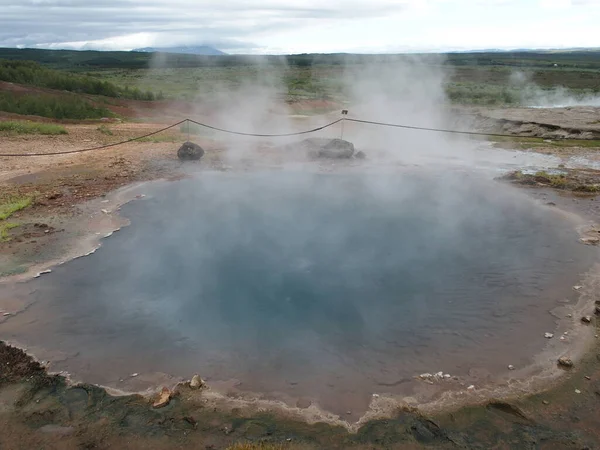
pixel 546 402
pixel 511 367
pixel 588 378
pixel 577 391
pixel 590 241
pixel 425 376
pixel 133 375
pixel 548 335
pixel 43 273
pixel 562 338
pixel 6 314
pixel 375 395
pixel 447 376
pixel 569 316
pixel 189 419
pixel 577 288
pixel 597 311
pixel 349 413
pixel 360 155
pixel 105 211
pixel 471 388
pixel 587 319
pixel 163 399
pixel 565 362
pixel 196 382
pixel 439 375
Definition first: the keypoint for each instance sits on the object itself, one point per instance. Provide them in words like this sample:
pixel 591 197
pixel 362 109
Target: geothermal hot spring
pixel 310 288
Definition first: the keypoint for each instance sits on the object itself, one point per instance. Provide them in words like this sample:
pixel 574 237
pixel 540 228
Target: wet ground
pixel 312 288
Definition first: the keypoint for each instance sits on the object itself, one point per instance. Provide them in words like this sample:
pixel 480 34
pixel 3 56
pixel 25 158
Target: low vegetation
pixel 5 227
pixel 105 130
pixel 584 181
pixel 25 127
pixel 33 74
pixel 8 207
pixel 11 205
pixel 535 142
pixel 54 107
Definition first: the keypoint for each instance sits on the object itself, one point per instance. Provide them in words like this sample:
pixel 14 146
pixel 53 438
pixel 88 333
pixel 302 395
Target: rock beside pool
pixel 190 152
pixel 590 241
pixel 163 398
pixel 324 148
pixel 565 362
pixel 197 382
pixel 337 149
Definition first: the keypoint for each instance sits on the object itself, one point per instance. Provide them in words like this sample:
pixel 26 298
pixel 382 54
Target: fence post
pixel 344 113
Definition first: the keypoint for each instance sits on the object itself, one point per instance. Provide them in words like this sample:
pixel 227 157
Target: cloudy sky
pixel 297 26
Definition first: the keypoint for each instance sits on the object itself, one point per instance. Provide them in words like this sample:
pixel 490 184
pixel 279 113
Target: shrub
pixel 65 107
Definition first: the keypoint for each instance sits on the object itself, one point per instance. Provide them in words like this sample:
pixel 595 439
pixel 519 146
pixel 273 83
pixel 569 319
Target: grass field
pixel 473 85
pixel 23 127
pixel 490 79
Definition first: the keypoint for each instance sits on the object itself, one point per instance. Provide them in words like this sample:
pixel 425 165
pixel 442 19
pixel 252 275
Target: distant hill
pixel 77 60
pixel 201 50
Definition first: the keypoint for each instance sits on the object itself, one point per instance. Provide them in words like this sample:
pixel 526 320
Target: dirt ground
pixel 38 410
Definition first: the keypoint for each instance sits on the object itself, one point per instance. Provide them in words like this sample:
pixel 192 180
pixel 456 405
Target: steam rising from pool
pixel 326 287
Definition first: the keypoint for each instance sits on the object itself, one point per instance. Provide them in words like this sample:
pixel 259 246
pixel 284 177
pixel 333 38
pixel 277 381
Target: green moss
pixel 556 181
pixel 5 227
pixel 104 130
pixel 535 142
pixel 10 206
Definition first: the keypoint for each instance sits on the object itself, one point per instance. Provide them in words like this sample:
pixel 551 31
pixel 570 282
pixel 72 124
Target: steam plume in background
pixel 403 89
pixel 533 95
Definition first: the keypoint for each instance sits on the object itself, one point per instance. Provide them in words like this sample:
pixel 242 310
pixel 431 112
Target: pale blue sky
pixel 294 26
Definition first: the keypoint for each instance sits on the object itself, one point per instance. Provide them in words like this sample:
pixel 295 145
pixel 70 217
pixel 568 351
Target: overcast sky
pixel 298 26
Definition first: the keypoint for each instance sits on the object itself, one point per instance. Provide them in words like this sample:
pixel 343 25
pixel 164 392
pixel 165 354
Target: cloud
pixel 253 26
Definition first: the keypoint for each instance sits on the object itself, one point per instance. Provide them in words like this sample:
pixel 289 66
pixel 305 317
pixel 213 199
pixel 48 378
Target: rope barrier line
pixel 298 133
pixel 101 147
pixel 442 130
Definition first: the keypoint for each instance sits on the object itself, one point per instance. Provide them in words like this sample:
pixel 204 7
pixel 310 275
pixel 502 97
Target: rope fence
pixel 298 133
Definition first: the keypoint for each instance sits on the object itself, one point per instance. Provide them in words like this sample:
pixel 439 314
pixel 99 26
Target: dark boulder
pixel 190 152
pixel 337 149
pixel 324 148
pixel 360 155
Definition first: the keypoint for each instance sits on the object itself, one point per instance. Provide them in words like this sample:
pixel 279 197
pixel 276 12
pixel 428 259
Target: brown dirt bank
pixel 60 185
pixel 579 122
